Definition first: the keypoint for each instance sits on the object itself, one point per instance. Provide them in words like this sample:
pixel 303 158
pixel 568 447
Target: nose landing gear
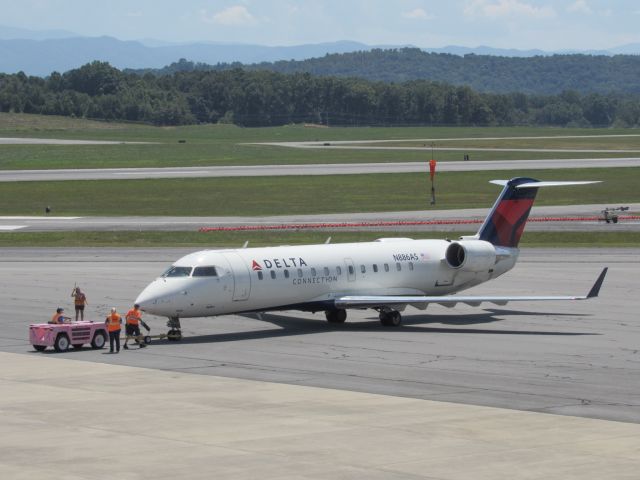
pixel 174 334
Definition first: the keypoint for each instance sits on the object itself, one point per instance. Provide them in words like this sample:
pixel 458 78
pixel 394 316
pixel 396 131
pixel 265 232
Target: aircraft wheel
pixel 174 335
pixel 391 318
pixel 336 316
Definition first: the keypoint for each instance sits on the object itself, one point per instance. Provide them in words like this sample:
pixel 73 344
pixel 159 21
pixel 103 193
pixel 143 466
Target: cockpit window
pixel 177 272
pixel 205 272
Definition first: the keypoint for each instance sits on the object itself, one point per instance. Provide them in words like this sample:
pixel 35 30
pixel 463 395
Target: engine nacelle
pixel 471 255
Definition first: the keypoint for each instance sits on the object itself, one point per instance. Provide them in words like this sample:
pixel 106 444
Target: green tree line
pixel 545 75
pixel 265 98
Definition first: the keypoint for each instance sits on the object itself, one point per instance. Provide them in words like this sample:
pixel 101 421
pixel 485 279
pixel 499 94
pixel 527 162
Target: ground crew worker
pixel 59 316
pixel 114 321
pixel 132 327
pixel 80 300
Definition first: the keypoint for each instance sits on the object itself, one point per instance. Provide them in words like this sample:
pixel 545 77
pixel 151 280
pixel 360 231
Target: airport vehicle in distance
pixel 61 336
pixel 386 275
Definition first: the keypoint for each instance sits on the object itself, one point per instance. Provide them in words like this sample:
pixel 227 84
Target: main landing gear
pixel 338 315
pixel 390 318
pixel 174 334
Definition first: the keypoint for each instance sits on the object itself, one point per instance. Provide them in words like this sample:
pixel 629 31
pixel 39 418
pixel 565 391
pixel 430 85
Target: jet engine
pixel 471 255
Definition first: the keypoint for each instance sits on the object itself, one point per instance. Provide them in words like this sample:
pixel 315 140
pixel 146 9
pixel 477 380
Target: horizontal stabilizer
pixel 372 301
pixel 554 184
pixel 544 184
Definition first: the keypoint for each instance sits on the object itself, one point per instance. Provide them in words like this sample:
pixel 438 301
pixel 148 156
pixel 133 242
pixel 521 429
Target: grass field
pixel 227 144
pixel 262 196
pixel 256 239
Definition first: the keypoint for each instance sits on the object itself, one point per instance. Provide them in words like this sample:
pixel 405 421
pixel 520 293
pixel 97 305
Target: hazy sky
pixel 523 24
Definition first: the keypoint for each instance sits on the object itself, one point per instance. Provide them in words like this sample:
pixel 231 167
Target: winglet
pixel 595 290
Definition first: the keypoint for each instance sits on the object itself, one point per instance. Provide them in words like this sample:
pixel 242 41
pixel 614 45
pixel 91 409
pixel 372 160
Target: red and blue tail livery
pixel 505 223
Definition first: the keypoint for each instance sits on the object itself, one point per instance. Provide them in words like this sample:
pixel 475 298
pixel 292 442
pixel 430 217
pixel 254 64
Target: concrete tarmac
pixel 239 397
pixel 308 169
pixel 72 419
pixel 571 358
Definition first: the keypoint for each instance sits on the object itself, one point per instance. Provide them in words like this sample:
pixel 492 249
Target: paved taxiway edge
pixel 308 169
pixel 117 421
pixel 164 223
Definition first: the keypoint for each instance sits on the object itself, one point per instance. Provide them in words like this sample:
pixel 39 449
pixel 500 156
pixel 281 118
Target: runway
pixel 450 139
pixel 309 169
pixel 387 145
pixel 54 223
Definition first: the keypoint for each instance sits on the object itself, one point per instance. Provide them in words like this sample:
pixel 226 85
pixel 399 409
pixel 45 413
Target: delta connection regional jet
pixel 385 275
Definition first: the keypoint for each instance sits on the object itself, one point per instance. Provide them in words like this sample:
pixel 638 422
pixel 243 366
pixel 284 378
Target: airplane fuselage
pixel 218 282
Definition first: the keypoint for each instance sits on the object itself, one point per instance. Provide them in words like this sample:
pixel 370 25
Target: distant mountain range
pixel 42 52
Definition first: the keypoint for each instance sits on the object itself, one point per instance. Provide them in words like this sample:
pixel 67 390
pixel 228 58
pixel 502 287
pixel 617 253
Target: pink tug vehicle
pixel 61 336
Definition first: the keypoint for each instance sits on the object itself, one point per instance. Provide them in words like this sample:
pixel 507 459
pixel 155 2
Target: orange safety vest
pixel 80 299
pixel 113 322
pixel 133 317
pixel 56 318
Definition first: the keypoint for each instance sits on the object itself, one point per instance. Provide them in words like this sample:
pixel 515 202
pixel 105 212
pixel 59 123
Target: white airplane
pixel 385 275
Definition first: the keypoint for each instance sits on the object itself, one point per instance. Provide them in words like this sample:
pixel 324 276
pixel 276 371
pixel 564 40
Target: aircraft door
pixel 241 276
pixel 351 269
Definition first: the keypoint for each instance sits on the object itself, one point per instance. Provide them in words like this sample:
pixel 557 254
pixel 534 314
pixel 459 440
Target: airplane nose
pixel 150 297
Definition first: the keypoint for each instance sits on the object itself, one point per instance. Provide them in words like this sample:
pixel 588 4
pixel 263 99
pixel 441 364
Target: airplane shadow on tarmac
pixel 292 326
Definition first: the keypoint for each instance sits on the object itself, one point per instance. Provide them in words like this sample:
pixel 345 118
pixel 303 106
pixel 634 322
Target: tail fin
pixel 505 223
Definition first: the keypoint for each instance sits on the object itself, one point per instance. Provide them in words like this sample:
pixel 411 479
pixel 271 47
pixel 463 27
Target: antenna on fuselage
pixel 328 240
pixel 246 244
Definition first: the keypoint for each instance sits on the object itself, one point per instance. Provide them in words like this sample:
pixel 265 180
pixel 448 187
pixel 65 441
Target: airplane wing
pixel 365 301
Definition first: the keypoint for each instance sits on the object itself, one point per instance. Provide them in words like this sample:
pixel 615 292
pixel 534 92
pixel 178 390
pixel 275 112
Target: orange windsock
pixel 432 168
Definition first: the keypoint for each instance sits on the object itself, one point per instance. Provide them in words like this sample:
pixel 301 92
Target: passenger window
pixel 386 267
pixel 351 271
pixel 375 268
pixel 363 269
pixel 326 271
pixel 286 274
pixel 260 276
pixel 410 265
pixel 313 272
pixel 299 273
pixel 205 272
pixel 398 267
pixel 273 274
pixel 338 270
